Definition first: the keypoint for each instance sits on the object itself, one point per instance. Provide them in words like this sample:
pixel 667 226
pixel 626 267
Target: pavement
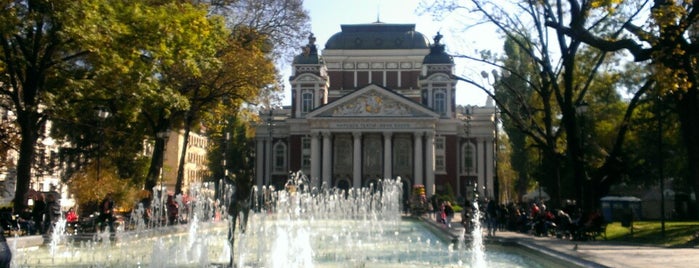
pixel 599 253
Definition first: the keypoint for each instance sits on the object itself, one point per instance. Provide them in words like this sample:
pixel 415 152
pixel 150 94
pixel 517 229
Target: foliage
pixel 283 22
pixel 88 196
pixel 660 35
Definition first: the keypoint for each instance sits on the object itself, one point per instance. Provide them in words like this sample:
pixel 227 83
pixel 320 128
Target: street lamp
pixel 581 110
pixel 660 167
pixel 102 114
pixel 468 164
pixel 268 157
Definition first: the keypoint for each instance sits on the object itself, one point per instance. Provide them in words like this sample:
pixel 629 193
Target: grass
pixel 678 234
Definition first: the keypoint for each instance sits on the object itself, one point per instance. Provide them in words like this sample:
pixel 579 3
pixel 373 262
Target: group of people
pixel 44 213
pixel 533 218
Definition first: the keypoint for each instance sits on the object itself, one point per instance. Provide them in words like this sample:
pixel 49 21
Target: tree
pixel 34 48
pixel 245 71
pixel 545 109
pixel 284 22
pixel 665 38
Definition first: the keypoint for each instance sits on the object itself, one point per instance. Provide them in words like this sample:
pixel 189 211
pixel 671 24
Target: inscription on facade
pixel 372 125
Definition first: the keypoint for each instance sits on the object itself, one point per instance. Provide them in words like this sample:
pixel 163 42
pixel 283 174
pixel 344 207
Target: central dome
pixel 378 36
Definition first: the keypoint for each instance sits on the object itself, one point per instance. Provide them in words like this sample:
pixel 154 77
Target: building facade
pixel 378 102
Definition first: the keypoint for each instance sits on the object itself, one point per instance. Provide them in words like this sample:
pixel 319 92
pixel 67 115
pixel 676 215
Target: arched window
pixel 440 102
pixel 279 157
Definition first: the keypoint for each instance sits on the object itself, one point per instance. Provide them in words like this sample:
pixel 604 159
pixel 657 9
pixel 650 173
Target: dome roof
pixel 438 54
pixel 378 36
pixel 309 54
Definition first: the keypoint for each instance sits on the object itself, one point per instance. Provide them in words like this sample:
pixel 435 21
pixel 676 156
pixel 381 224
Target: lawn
pixel 677 233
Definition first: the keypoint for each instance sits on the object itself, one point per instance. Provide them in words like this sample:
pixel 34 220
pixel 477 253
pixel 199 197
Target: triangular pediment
pixel 373 101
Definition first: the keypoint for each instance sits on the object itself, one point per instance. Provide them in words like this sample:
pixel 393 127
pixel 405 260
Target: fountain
pixel 299 226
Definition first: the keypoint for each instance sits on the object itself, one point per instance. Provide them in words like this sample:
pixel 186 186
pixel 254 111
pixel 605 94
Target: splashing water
pixel 298 226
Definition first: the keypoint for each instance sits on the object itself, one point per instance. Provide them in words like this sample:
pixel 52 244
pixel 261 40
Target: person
pixel 38 212
pixel 172 210
pixel 491 216
pixel 106 216
pixel 52 212
pixel 71 221
pixel 26 222
pixel 71 216
pixel 5 252
pixel 449 213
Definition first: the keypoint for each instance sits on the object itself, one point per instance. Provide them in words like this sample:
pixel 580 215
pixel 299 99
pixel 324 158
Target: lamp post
pixel 660 167
pixel 268 156
pixel 581 110
pixel 163 136
pixel 496 150
pixel 102 114
pixel 468 164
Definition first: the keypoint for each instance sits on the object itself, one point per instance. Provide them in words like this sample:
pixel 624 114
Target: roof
pixel 378 36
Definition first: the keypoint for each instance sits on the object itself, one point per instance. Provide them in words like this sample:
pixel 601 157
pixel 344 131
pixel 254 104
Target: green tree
pixel 563 74
pixel 661 34
pixel 35 47
pixel 245 71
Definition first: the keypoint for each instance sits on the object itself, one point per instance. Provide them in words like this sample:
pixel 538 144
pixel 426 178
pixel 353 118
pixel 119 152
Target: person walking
pixel 449 213
pixel 38 212
pixel 106 216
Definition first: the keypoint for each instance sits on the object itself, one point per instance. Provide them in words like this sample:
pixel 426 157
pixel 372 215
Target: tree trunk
pixel 183 155
pixel 687 109
pixel 29 134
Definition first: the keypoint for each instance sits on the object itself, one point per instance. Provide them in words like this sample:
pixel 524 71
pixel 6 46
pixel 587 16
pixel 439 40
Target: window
pixel 279 157
pixel 439 158
pixel 439 144
pixel 402 157
pixel 439 165
pixel 306 154
pixel 440 101
pixel 306 101
pixel 467 159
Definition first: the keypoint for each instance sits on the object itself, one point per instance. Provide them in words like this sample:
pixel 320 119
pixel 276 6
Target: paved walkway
pixel 599 253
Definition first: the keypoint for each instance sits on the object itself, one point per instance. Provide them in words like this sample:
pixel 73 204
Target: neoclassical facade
pixel 379 102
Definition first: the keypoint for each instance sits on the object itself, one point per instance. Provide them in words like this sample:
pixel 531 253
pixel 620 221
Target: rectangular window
pixel 306 102
pixel 306 154
pixel 439 144
pixel 439 164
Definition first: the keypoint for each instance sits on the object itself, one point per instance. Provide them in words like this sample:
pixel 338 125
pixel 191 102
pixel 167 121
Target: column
pixel 429 164
pixel 448 101
pixel 315 156
pixel 327 157
pixel 260 163
pixel 419 177
pixel 357 160
pixel 387 153
pixel 296 91
pixel 316 96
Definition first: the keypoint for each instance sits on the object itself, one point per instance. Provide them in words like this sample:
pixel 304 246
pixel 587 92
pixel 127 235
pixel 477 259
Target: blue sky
pixel 328 15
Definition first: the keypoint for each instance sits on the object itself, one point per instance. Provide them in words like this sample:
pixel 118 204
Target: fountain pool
pixel 293 229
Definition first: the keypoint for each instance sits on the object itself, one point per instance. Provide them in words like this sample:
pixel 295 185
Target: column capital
pixel 387 134
pixel 326 134
pixel 357 134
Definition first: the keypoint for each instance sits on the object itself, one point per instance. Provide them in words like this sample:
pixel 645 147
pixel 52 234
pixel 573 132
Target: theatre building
pixel 378 102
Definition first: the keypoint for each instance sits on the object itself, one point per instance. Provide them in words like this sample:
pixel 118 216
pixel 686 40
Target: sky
pixel 327 16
